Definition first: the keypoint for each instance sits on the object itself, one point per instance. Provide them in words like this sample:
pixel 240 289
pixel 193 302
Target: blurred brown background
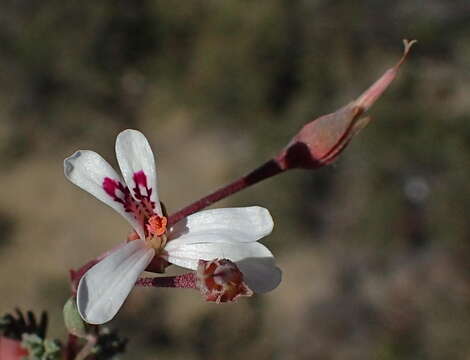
pixel 375 249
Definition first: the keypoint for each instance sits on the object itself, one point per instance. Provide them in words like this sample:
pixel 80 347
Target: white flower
pixel 230 233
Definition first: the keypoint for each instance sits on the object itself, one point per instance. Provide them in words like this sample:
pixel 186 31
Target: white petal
pixel 103 289
pixel 260 274
pixel 188 255
pixel 88 170
pixel 134 154
pixel 246 224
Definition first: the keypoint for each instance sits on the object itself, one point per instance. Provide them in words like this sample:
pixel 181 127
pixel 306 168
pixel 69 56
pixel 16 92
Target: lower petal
pixel 260 274
pixel 254 260
pixel 103 289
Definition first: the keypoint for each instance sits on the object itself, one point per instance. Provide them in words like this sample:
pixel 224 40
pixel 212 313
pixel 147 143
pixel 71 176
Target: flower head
pixel 230 233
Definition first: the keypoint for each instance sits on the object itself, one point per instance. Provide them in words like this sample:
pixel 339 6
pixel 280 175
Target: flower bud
pixel 321 141
pixel 220 280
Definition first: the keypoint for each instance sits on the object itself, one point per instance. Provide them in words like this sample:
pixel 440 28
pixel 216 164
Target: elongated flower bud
pixel 321 141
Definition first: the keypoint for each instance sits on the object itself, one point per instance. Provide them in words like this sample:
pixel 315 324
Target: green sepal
pixel 73 321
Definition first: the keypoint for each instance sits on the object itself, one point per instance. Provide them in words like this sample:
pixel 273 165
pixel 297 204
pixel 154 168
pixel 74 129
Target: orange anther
pixel 157 225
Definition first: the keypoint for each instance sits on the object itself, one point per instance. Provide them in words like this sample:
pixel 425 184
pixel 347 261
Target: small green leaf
pixel 52 350
pixel 34 345
pixel 73 321
pixel 39 349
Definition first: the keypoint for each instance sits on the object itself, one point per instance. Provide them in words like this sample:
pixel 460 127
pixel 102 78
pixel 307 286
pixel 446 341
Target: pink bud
pixel 11 349
pixel 322 140
pixel 220 280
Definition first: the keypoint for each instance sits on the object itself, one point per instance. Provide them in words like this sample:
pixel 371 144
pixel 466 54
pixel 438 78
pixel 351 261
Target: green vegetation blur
pixel 375 250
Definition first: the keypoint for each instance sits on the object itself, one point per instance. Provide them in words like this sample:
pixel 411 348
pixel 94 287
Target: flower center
pixel 156 230
pixel 138 202
pixel 157 225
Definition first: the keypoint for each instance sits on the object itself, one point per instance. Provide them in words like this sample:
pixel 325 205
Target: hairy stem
pixel 86 350
pixel 184 281
pixel 267 170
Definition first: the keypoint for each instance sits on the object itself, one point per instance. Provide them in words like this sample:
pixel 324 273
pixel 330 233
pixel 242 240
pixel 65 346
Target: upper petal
pixel 244 224
pixel 137 163
pixel 92 173
pixel 103 289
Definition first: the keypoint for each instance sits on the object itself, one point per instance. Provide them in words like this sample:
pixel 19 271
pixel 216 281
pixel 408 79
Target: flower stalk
pixel 265 171
pixel 317 144
pixel 184 281
pixel 218 280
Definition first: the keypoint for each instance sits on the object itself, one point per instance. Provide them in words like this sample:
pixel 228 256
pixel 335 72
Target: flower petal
pixel 260 274
pixel 137 163
pixel 103 289
pixel 188 255
pixel 89 171
pixel 244 224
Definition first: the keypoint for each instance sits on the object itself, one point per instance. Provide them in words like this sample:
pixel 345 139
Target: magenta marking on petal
pixel 140 205
pixel 140 179
pixel 110 186
pixel 118 192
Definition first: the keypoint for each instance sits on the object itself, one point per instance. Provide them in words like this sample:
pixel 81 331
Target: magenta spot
pixel 140 178
pixel 140 205
pixel 118 192
pixel 110 186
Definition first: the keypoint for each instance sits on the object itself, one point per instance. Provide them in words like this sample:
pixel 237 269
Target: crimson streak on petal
pixel 118 192
pixel 142 192
pixel 140 204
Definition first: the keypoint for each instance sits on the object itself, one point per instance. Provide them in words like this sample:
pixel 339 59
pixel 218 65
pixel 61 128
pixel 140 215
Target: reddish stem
pixel 71 348
pixel 184 281
pixel 268 169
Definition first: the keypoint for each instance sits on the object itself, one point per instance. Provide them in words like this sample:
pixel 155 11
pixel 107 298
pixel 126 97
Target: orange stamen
pixel 157 225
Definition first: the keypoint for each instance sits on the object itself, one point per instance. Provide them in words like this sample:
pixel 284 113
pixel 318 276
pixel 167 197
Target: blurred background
pixel 374 250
